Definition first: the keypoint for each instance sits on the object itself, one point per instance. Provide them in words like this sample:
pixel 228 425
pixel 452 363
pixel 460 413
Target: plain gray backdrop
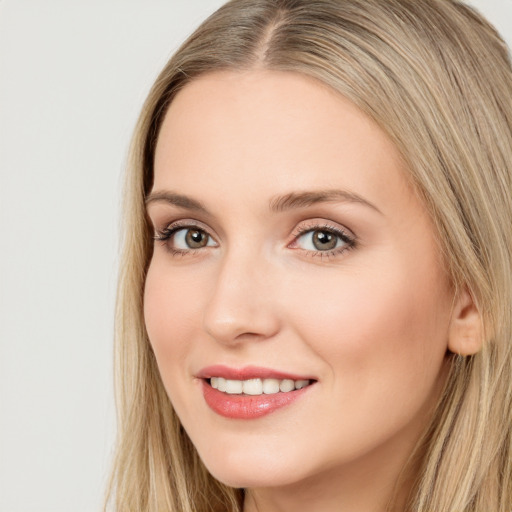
pixel 73 76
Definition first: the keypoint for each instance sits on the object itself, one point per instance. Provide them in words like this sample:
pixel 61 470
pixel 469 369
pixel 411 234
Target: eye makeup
pixel 322 239
pixel 184 237
pixel 313 238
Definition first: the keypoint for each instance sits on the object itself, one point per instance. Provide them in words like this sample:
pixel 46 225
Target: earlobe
pixel 466 330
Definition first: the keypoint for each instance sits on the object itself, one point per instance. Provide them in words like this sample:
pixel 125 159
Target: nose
pixel 241 307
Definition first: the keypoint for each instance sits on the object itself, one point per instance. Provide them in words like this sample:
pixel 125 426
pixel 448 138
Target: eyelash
pixel 164 236
pixel 349 240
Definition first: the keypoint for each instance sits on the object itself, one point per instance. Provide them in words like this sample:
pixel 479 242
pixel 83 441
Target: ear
pixel 465 335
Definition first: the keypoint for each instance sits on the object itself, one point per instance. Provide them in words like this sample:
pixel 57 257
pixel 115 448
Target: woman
pixel 314 304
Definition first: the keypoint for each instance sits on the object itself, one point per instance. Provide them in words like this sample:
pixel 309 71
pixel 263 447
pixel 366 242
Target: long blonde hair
pixel 437 79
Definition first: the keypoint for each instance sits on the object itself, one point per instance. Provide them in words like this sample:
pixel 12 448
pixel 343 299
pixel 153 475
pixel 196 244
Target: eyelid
pixel 322 224
pixel 183 224
pixel 169 229
pixel 346 235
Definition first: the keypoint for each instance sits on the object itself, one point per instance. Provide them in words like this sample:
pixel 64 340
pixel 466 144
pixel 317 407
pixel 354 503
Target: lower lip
pixel 248 407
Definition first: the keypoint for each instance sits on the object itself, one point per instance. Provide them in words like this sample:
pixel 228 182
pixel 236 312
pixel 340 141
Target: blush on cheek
pixel 161 299
pixel 158 314
pixel 367 320
pixel 171 317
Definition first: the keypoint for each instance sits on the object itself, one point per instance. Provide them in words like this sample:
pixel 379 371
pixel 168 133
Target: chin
pixel 241 478
pixel 258 471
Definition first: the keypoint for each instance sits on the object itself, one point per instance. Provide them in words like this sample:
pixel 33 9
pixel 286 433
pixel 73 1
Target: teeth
pixel 234 387
pixel 256 386
pixel 286 385
pixel 270 386
pixel 299 384
pixel 253 387
pixel 221 383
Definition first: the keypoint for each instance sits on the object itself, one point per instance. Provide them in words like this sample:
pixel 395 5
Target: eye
pixel 191 238
pixel 180 239
pixel 325 240
pixel 319 241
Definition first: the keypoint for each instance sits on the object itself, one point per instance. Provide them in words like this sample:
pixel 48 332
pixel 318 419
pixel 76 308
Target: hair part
pixel 436 77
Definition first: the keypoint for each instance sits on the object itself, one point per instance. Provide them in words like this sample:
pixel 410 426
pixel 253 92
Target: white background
pixel 73 75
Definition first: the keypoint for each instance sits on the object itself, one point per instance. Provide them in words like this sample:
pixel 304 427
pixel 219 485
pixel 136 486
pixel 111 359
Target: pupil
pixel 323 240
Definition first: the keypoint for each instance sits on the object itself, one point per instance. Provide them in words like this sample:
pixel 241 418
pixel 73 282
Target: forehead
pixel 271 131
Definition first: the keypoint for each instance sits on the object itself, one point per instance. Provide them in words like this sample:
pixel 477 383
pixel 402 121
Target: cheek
pixel 169 315
pixel 383 342
pixel 384 327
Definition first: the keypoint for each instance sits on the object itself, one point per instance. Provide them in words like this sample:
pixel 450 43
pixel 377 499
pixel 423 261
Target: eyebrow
pixel 175 199
pixel 296 200
pixel 291 201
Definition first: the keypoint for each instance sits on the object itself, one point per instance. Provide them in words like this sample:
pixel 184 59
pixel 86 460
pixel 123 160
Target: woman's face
pixel 291 251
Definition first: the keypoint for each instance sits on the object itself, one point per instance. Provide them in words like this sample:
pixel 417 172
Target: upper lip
pixel 247 372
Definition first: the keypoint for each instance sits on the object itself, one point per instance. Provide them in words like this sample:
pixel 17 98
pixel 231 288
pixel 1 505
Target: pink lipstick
pixel 250 392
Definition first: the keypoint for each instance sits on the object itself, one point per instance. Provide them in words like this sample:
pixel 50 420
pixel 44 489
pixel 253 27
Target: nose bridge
pixel 241 303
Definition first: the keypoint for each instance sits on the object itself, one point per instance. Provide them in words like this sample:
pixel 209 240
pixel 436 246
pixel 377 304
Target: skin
pixel 371 323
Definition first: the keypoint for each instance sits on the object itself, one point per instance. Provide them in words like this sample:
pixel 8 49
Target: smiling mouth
pixel 255 387
pixel 250 399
